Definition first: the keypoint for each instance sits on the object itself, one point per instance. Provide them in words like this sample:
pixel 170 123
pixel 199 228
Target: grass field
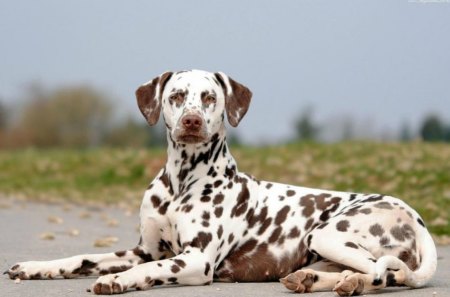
pixel 416 172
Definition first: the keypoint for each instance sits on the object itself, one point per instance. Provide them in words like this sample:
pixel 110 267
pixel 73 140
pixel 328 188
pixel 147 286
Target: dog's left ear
pixel 149 97
pixel 237 98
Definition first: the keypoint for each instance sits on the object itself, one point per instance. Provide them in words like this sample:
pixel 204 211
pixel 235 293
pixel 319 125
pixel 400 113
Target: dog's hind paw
pixel 350 285
pixel 300 281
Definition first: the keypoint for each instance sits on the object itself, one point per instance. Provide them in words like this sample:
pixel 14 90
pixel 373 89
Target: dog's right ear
pixel 149 97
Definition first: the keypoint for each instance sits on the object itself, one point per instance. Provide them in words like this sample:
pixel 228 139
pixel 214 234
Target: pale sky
pixel 381 62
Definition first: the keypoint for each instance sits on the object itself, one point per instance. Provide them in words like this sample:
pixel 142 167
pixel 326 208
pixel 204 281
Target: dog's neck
pixel 187 164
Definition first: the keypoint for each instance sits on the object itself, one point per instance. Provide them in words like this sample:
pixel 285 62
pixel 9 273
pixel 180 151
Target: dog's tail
pixel 428 261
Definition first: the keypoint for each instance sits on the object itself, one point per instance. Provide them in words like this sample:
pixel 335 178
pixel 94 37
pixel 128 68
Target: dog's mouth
pixel 191 138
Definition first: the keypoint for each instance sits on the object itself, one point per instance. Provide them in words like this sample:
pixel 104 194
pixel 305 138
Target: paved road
pixel 22 223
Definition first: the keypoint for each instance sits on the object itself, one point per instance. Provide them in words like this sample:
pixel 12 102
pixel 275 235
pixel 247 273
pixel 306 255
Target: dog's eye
pixel 209 99
pixel 176 98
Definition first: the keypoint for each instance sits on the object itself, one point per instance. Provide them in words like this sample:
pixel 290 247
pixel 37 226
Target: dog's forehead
pixel 194 79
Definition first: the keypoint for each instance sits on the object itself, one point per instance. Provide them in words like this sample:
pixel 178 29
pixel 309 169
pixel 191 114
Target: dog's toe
pixel 107 285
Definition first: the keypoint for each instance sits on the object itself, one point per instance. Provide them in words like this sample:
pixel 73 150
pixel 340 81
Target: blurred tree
pixel 347 129
pixel 3 123
pixel 3 116
pixel 233 139
pixel 447 134
pixel 68 117
pixel 432 129
pixel 305 127
pixel 405 132
pixel 129 133
pixel 158 134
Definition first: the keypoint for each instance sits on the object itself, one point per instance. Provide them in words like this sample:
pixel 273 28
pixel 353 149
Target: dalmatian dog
pixel 203 220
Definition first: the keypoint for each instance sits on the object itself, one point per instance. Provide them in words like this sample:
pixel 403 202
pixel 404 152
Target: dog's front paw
pixel 24 270
pixel 108 284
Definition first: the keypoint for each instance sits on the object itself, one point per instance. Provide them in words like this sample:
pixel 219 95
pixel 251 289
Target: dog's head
pixel 193 103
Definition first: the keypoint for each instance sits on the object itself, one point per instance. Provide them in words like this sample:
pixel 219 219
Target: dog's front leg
pixel 192 267
pixel 80 265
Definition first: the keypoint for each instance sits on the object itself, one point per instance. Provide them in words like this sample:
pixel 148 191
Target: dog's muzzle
pixel 191 129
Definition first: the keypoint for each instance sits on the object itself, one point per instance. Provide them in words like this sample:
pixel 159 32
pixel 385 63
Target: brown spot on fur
pixel 141 254
pixel 206 216
pixel 384 240
pixel 220 232
pixel 352 211
pixel 264 226
pixel 175 268
pixel 253 219
pixel 155 201
pixel 218 199
pixel 290 193
pixel 166 182
pixel 207 268
pixel 321 226
pixel 172 280
pixel 351 245
pixel 343 226
pixel 365 211
pixel 321 202
pixel 376 230
pixel 218 212
pixel 309 223
pixel 307 203
pixel 205 199
pixel 201 241
pixel 117 269
pixel 402 233
pixel 180 263
pixel 85 268
pixel 281 215
pixel 383 205
pixel 187 208
pixel 241 204
pixel 163 208
pixel 420 221
pixel 247 247
pixel 294 233
pixel 120 253
pixel 408 257
pixel 275 235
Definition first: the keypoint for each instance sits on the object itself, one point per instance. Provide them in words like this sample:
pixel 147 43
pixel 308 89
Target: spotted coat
pixel 203 220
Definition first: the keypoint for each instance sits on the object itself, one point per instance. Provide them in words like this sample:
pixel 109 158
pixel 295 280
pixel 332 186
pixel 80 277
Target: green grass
pixel 418 172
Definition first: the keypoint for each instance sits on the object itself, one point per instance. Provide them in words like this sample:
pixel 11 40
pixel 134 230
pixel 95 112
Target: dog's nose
pixel 192 122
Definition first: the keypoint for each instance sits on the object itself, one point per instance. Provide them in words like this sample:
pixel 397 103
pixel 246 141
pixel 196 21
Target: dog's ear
pixel 149 97
pixel 237 98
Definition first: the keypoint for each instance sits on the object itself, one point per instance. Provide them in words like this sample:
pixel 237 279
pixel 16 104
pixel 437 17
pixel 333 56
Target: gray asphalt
pixel 22 223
